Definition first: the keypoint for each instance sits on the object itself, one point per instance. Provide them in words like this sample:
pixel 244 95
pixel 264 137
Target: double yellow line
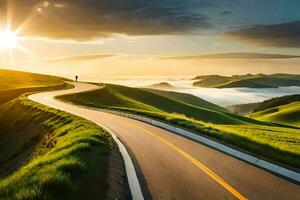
pixel 201 166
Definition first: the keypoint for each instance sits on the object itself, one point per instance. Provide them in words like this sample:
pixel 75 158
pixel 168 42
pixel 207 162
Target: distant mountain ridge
pixel 248 80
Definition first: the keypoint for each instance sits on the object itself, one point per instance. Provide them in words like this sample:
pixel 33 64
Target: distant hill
pixel 162 85
pixel 285 114
pixel 278 101
pixel 248 80
pixel 245 109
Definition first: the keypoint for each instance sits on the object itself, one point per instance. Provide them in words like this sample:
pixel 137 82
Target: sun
pixel 8 39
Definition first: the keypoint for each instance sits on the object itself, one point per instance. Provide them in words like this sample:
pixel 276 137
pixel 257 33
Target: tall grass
pixel 79 149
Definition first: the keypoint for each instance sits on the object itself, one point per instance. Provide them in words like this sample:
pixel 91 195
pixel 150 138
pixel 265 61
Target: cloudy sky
pixel 134 37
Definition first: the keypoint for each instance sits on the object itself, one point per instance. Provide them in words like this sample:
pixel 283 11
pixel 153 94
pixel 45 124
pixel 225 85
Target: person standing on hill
pixel 76 78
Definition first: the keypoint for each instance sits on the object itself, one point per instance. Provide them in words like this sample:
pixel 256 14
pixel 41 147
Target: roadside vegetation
pixel 70 158
pixel 50 154
pixel 271 141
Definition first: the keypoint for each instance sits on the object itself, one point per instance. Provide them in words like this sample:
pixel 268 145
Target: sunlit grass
pixel 14 79
pixel 286 114
pixel 81 147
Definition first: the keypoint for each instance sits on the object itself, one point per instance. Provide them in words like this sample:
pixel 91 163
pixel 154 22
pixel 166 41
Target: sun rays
pixel 8 39
pixel 11 36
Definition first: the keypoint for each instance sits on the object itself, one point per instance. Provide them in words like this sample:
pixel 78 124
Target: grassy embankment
pixel 14 83
pixel 265 139
pixel 70 158
pixel 46 153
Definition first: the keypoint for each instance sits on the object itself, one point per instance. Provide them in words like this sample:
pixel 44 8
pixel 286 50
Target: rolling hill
pixel 15 79
pixel 245 109
pixel 248 80
pixel 162 85
pixel 15 83
pixel 284 114
pixel 156 102
pixel 189 99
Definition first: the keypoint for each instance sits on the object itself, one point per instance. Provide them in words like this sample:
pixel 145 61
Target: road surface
pixel 175 167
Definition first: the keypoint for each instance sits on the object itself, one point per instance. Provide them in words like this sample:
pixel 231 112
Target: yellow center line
pixel 201 166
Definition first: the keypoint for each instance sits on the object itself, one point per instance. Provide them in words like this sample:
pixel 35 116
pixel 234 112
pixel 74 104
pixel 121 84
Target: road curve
pixel 175 167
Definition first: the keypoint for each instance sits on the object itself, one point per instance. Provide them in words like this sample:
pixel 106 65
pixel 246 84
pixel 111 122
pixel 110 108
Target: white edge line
pixel 276 169
pixel 133 181
pixel 134 185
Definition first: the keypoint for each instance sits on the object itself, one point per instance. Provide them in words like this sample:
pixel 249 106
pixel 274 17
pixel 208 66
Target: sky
pixel 150 37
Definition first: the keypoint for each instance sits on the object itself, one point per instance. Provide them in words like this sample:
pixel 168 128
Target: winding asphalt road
pixel 175 167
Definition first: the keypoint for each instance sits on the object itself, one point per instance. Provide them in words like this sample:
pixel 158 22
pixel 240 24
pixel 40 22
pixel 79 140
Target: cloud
pixel 78 58
pixel 90 19
pixel 278 35
pixel 235 56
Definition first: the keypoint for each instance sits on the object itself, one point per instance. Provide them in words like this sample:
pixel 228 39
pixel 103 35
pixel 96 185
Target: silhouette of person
pixel 76 78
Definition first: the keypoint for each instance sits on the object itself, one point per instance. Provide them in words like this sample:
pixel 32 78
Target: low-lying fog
pixel 223 97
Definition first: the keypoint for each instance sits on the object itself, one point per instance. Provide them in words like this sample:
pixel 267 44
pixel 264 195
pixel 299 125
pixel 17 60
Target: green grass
pixel 285 114
pixel 246 109
pixel 277 101
pixel 15 79
pixel 276 143
pixel 189 113
pixel 70 160
pixel 14 83
pixel 189 99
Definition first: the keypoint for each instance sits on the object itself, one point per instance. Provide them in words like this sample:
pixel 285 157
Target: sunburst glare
pixel 8 39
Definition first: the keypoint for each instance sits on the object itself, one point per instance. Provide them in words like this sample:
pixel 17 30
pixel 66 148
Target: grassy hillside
pixel 278 101
pixel 265 139
pixel 15 79
pixel 145 100
pixel 285 114
pixel 259 106
pixel 67 156
pixel 189 99
pixel 14 83
pixel 248 80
